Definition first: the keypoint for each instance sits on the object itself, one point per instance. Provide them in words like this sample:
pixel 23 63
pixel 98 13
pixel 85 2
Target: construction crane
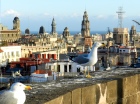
pixel 136 22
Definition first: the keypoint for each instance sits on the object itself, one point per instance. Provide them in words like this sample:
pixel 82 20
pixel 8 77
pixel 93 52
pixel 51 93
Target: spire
pixel 53 26
pixel 85 30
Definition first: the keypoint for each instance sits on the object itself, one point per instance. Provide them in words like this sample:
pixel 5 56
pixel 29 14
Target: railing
pixel 70 74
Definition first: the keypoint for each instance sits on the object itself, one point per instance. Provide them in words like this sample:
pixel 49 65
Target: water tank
pixel 39 56
pixel 44 56
pixel 55 56
pixel 49 56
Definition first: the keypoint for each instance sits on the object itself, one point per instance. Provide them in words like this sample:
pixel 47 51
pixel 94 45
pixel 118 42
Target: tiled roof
pixel 1 50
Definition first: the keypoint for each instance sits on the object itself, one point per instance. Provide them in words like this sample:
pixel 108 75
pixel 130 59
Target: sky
pixel 68 13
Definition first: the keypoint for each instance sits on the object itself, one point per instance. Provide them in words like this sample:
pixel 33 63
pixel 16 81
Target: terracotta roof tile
pixel 1 50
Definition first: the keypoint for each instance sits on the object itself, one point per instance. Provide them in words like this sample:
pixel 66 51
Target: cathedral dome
pixel 27 31
pixel 41 30
pixel 16 18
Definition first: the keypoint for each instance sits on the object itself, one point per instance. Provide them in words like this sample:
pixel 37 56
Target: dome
pixel 16 18
pixel 27 31
pixel 42 30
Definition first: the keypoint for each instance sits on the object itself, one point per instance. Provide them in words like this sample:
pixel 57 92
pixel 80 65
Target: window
pixel 17 53
pixel 78 69
pixel 58 68
pixel 8 55
pixel 12 53
pixel 49 66
pixel 65 68
pixel 69 68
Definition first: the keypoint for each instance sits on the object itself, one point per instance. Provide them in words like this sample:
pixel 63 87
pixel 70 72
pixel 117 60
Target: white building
pixel 128 49
pixel 1 52
pixel 12 53
pixel 66 67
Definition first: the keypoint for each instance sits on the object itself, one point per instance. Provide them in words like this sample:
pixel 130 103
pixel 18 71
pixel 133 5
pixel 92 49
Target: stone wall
pixel 120 90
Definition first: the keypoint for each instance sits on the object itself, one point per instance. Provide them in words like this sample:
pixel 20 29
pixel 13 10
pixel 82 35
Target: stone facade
pixel 53 31
pixel 12 53
pixel 123 90
pixel 121 36
pixel 85 30
pixel 132 33
pixel 11 35
pixel 120 86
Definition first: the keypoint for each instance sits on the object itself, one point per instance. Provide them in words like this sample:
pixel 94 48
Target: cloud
pixel 50 15
pixel 10 12
pixel 74 15
pixel 101 16
pixel 47 14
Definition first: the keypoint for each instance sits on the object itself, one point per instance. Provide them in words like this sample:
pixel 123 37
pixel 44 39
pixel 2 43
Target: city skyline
pixel 34 14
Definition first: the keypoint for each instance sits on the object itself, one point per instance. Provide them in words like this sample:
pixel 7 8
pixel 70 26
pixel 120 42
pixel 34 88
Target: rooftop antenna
pixel 109 30
pixel 120 16
pixel 28 22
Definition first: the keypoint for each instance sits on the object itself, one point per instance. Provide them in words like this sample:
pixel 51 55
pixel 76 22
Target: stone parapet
pixel 119 91
pixel 120 86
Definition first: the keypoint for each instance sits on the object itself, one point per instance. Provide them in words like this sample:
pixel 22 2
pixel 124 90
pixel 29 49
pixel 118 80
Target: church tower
pixel 132 33
pixel 66 33
pixel 16 23
pixel 53 31
pixel 85 30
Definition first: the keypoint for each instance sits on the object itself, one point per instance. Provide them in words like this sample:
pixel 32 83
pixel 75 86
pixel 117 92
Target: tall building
pixel 7 35
pixel 85 30
pixel 67 37
pixel 133 33
pixel 66 33
pixel 16 24
pixel 121 36
pixel 53 31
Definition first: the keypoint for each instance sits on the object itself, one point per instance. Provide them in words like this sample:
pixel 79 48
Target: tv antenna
pixel 120 16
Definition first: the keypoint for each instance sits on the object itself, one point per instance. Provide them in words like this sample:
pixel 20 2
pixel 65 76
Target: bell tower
pixel 16 23
pixel 133 33
pixel 85 30
pixel 53 27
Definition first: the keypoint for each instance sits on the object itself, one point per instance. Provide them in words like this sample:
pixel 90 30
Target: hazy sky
pixel 68 13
